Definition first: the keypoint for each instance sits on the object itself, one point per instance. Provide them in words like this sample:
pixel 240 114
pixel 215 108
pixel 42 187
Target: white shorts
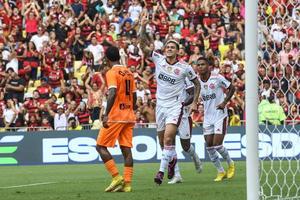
pixel 170 115
pixel 185 128
pixel 219 127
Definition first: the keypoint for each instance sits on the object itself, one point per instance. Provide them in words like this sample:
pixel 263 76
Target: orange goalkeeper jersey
pixel 122 79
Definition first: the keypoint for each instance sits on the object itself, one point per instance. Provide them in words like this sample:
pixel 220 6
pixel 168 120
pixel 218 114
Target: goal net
pixel 279 152
pixel 279 67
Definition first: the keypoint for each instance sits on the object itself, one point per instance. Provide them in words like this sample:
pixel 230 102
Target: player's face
pixel 171 50
pixel 202 67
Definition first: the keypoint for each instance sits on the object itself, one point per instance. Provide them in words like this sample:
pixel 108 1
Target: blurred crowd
pixel 52 65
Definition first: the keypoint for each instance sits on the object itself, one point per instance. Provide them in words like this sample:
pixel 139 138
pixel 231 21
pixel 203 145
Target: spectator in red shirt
pixel 44 90
pixel 56 77
pixel 32 18
pixel 16 19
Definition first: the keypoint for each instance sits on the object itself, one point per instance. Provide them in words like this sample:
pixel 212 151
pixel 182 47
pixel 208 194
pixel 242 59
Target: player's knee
pixel 168 141
pixel 209 144
pixel 186 147
pixel 98 148
pixel 185 144
pixel 216 143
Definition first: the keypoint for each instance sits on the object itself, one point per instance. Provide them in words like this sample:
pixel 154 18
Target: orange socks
pixel 112 168
pixel 128 172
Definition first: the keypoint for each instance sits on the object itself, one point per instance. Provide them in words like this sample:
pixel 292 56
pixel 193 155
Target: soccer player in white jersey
pixel 185 133
pixel 215 116
pixel 170 75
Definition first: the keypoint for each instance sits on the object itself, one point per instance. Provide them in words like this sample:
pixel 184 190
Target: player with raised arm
pixel 118 121
pixel 215 116
pixel 170 75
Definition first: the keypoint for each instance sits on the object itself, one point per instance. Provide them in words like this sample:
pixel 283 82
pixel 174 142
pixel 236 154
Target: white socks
pixel 168 154
pixel 214 157
pixel 224 153
pixel 177 171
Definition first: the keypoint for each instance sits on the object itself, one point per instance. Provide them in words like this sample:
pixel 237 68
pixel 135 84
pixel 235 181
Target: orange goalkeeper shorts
pixel 116 131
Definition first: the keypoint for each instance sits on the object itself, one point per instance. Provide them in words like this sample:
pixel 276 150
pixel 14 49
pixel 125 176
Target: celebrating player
pixel 170 75
pixel 215 116
pixel 185 133
pixel 118 121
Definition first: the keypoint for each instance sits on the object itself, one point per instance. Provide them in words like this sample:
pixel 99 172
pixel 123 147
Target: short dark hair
pixel 266 81
pixel 112 54
pixel 203 59
pixel 72 119
pixel 208 60
pixel 271 98
pixel 174 42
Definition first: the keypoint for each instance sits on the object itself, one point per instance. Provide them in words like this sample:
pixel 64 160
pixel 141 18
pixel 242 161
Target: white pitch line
pixel 28 185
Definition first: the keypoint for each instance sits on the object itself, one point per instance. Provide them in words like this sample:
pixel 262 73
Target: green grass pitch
pixel 78 182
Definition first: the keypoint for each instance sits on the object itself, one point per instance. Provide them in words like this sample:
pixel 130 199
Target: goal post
pixel 251 49
pixel 272 152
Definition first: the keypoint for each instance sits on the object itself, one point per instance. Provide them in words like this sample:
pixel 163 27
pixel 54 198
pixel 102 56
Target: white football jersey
pixel 212 95
pixel 171 80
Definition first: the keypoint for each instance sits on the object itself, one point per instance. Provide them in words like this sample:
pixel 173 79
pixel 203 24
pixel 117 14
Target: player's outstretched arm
pixel 145 40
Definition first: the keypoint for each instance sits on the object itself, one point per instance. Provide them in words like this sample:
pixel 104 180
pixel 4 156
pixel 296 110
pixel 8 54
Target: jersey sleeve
pixel 190 73
pixel 156 57
pixel 111 79
pixel 223 81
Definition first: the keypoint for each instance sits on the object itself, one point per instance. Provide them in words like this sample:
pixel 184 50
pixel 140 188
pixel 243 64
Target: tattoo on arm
pixel 196 89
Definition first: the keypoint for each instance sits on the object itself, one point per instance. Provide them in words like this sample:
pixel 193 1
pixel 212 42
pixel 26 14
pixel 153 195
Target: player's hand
pixel 221 106
pixel 105 121
pixel 144 21
pixel 194 106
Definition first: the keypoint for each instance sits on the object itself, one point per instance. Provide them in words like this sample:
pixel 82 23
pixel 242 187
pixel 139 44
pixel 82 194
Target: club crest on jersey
pixel 177 71
pixel 212 86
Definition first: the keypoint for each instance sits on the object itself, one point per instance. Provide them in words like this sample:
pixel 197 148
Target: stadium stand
pixel 51 55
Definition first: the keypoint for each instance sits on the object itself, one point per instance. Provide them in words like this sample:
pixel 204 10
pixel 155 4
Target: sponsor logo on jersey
pixel 177 71
pixel 212 86
pixel 209 97
pixel 166 78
